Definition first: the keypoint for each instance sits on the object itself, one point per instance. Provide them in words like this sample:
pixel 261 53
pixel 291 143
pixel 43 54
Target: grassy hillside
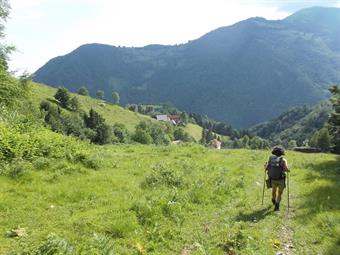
pixel 112 113
pixel 169 200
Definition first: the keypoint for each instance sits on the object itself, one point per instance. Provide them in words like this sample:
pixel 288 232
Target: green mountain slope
pixel 112 113
pixel 242 74
pixel 298 123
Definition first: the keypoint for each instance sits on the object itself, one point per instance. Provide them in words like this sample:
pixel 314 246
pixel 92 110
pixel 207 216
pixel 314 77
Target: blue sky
pixel 43 29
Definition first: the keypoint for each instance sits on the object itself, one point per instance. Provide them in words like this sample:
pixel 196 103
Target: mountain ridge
pixel 231 74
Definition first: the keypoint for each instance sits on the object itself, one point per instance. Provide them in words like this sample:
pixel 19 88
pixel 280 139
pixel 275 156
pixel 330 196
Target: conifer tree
pixel 334 121
pixel 63 96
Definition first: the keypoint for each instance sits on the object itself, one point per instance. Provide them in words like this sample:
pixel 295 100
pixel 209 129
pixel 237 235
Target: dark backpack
pixel 275 168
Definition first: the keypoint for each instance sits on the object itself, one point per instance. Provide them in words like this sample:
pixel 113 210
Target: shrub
pixel 142 136
pixel 41 163
pixel 180 134
pixel 83 91
pixel 54 245
pixel 74 104
pixel 17 169
pixel 121 134
pixel 156 133
pixel 144 211
pixel 163 175
pixel 63 96
pixel 12 91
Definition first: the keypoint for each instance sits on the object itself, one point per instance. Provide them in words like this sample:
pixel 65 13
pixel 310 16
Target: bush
pixel 180 134
pixel 18 168
pixel 163 175
pixel 156 133
pixel 63 96
pixel 121 134
pixel 54 245
pixel 41 163
pixel 83 91
pixel 12 91
pixel 142 136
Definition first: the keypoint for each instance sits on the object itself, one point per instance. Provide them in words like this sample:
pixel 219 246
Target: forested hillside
pixel 242 74
pixel 297 125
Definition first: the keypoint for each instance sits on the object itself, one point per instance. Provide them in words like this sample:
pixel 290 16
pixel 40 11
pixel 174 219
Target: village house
pixel 215 144
pixel 173 119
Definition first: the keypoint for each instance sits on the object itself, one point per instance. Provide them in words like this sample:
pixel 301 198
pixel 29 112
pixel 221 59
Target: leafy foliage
pixel 83 91
pixel 100 94
pixel 334 120
pixel 298 124
pixel 115 97
pixel 63 96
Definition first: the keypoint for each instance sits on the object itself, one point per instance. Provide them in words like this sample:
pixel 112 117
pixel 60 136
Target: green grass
pixel 194 130
pixel 167 200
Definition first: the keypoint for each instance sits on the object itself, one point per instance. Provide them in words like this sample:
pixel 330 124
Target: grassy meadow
pixel 134 199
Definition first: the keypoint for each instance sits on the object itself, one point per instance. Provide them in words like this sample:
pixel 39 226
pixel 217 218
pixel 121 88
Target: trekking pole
pixel 288 188
pixel 264 183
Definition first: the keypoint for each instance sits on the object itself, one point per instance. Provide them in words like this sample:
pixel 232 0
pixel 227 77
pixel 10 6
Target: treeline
pixel 295 127
pixel 208 125
pixel 334 120
pixel 64 115
pixel 100 94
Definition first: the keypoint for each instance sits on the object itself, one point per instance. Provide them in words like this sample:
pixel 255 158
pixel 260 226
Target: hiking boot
pixel 277 207
pixel 273 201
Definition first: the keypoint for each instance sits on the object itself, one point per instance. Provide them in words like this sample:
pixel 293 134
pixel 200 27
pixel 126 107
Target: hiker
pixel 276 168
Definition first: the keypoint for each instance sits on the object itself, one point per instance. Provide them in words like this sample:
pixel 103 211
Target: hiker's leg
pixel 279 195
pixel 274 192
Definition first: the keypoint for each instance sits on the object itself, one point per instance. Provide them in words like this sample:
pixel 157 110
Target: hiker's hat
pixel 278 151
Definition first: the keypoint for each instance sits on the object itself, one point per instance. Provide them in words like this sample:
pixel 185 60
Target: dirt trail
pixel 286 234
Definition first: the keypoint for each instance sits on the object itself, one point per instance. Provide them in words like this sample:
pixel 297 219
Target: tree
pixel 245 141
pixel 140 108
pixel 149 109
pixel 142 136
pixel 121 133
pixel 96 122
pixel 132 107
pixel 83 91
pixel 74 104
pixel 100 94
pixel 324 140
pixel 115 97
pixel 209 136
pixel 103 134
pixel 180 134
pixel 93 120
pixel 63 96
pixel 5 50
pixel 184 118
pixel 334 120
pixel 292 144
pixel 203 136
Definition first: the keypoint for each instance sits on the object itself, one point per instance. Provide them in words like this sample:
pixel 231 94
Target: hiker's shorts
pixel 281 184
